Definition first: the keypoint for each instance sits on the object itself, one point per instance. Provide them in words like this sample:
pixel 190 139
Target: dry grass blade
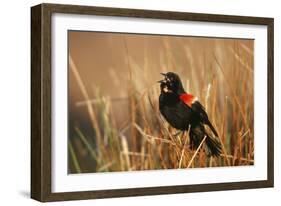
pixel 106 166
pixel 87 143
pixel 182 151
pixel 136 154
pixel 224 152
pixel 151 138
pixel 95 101
pixel 197 150
pixel 86 96
pixel 126 152
pixel 241 158
pixel 242 136
pixel 74 158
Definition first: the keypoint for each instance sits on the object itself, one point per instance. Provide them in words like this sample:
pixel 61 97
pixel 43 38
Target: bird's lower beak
pixel 163 74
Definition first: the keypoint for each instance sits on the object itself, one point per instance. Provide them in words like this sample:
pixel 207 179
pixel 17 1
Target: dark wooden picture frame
pixel 41 101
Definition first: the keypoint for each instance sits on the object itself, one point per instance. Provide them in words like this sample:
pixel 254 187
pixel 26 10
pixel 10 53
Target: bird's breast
pixel 176 113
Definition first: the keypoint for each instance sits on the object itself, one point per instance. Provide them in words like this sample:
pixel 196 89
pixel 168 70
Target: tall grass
pixel 145 141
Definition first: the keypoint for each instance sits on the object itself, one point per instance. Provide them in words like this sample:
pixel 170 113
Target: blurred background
pixel 114 122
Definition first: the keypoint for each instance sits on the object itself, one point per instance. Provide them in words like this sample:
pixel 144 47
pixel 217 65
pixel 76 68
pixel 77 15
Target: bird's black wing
pixel 199 110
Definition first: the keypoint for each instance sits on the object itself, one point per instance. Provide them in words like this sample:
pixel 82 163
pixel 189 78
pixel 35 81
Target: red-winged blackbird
pixel 182 111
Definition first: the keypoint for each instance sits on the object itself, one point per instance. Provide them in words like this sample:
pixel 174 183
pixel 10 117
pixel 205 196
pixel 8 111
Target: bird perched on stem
pixel 184 112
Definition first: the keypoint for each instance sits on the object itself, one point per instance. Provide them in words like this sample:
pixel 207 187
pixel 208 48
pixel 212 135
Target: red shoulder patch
pixel 188 99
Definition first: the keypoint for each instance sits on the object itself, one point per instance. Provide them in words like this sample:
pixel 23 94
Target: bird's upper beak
pixel 163 80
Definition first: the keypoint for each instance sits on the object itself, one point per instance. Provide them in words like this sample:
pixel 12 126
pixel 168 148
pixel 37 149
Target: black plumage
pixel 183 112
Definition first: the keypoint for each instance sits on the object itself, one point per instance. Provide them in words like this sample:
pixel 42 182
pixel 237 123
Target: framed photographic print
pixel 132 102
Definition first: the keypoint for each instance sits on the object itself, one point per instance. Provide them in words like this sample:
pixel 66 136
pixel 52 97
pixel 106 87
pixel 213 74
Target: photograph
pixel 155 101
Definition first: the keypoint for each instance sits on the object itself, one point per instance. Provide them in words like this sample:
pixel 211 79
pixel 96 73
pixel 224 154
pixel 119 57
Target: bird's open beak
pixel 163 80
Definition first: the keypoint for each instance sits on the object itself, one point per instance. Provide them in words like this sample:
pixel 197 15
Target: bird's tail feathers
pixel 213 144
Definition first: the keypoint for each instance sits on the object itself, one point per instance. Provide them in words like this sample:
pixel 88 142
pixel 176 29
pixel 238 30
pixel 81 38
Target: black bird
pixel 183 111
